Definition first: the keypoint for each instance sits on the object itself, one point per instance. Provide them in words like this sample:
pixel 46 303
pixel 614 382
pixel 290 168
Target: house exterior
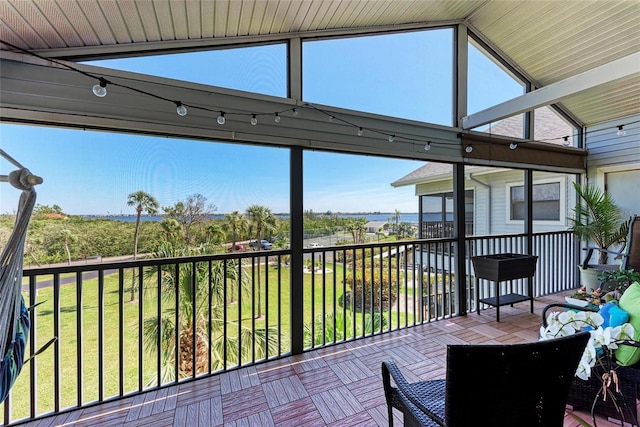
pixel 375 226
pixel 494 198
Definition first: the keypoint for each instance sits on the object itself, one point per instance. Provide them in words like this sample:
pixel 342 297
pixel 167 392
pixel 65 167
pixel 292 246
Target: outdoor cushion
pixel 613 315
pixel 630 302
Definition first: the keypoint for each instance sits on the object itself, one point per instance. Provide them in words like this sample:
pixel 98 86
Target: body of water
pixel 404 217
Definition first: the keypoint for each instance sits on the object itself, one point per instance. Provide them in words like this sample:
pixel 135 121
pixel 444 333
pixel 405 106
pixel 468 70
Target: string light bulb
pixel 391 138
pixel 181 109
pixel 277 118
pixel 295 112
pixel 331 118
pixel 621 131
pixel 360 131
pixel 221 120
pixel 427 146
pixel 100 90
pixel 565 141
pixel 513 146
pixel 468 148
pixel 254 120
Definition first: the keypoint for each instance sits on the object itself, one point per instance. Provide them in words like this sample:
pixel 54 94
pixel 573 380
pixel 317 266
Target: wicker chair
pixel 498 385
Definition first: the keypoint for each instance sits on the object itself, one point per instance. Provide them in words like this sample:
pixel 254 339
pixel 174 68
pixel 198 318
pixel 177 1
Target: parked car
pixel 239 248
pixel 315 245
pixel 264 244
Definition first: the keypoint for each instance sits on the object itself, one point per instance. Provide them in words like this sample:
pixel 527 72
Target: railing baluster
pixel 224 307
pixel 100 336
pixel 279 303
pixel 121 330
pixel 209 305
pixel 176 359
pixel 344 295
pixel 194 326
pixel 56 346
pixel 33 364
pixel 266 309
pixel 239 362
pixel 79 340
pixel 140 328
pixel 159 326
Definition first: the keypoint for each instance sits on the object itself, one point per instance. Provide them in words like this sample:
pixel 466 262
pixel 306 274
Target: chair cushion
pixel 630 302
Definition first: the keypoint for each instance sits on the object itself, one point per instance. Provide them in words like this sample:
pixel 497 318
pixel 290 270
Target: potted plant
pixel 617 280
pixel 599 220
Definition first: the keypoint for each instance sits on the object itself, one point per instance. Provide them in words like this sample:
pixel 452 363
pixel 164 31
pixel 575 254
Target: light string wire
pixel 606 130
pixel 391 137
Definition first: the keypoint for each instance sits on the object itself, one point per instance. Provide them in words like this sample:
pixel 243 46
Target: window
pixel 437 214
pixel 547 201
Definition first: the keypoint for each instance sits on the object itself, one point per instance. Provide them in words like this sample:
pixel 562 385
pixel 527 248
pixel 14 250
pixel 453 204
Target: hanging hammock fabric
pixel 14 316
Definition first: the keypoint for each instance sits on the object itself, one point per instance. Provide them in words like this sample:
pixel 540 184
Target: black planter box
pixel 507 266
pixel 500 267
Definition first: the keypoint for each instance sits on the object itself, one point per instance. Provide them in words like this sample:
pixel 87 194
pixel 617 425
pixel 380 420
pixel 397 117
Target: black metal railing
pixel 556 269
pixel 121 328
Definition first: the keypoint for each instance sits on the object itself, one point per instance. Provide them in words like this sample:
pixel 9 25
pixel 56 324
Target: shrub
pixel 370 292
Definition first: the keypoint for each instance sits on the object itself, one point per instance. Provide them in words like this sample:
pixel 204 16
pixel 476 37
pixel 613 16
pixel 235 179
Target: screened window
pixel 489 84
pixel 546 202
pixel 259 69
pixel 406 75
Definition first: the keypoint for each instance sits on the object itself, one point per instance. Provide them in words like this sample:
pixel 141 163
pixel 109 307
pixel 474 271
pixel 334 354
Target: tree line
pixel 56 237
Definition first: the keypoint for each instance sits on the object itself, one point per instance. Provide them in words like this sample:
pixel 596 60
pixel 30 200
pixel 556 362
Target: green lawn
pixel 275 314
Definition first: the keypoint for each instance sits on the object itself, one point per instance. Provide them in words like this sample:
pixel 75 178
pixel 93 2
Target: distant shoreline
pixel 411 217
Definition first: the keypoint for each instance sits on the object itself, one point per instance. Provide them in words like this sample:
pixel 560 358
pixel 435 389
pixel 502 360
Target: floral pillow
pixel 630 302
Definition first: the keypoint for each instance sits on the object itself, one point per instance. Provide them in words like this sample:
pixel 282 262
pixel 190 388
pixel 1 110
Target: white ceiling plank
pixel 615 70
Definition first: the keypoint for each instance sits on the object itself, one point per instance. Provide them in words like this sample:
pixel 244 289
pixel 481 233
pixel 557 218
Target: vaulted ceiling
pixel 546 41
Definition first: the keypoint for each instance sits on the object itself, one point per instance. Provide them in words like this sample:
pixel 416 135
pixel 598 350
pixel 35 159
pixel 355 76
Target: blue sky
pixel 405 75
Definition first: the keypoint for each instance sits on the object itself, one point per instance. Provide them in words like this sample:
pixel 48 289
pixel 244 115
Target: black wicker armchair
pixel 498 385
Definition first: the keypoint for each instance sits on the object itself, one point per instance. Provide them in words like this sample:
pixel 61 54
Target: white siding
pixel 491 208
pixel 613 162
pixel 606 148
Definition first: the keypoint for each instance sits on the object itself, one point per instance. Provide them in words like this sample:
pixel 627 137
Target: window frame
pixel 561 221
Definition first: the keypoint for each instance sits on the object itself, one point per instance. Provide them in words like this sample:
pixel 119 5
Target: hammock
pixel 14 316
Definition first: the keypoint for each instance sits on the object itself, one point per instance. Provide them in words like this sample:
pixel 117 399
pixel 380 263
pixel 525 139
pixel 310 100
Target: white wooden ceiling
pixel 548 41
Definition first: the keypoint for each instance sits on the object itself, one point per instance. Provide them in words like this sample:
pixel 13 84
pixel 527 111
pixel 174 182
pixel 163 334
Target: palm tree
pixel 405 229
pixel 598 218
pixel 193 284
pixel 356 226
pixel 262 220
pixel 396 219
pixel 215 233
pixel 171 228
pixel 236 223
pixel 144 202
